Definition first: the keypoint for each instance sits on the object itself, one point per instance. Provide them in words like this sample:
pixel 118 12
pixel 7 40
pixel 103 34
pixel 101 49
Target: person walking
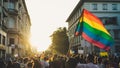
pixel 30 65
pixel 9 64
pixel 90 60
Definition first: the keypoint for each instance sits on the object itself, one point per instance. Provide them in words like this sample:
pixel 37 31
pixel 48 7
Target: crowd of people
pixel 58 61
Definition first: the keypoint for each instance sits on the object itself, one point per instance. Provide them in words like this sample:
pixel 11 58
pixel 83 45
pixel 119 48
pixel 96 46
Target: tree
pixel 60 42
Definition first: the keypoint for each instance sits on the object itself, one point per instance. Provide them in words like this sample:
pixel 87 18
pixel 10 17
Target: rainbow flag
pixel 92 29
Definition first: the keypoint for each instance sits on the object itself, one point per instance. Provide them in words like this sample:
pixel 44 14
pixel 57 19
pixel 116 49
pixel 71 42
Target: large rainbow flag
pixel 92 29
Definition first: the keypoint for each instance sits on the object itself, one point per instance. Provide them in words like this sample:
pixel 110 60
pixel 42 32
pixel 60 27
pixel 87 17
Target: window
pixel 11 41
pixel 0 38
pixel 109 20
pixel 117 48
pixel 105 6
pixel 11 0
pixel 116 34
pixel 11 5
pixel 114 6
pixel 102 19
pixel 3 40
pixel 5 0
pixel 80 48
pixel 19 5
pixel 11 22
pixel 0 18
pixel 94 6
pixel 0 2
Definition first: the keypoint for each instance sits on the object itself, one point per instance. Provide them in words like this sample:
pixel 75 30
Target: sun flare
pixel 40 45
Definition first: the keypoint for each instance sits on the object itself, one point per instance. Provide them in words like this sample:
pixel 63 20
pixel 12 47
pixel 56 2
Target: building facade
pixel 108 12
pixel 3 33
pixel 16 21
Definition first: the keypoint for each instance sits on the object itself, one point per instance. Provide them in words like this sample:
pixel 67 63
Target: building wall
pixel 18 24
pixel 74 18
pixel 107 13
pixel 3 34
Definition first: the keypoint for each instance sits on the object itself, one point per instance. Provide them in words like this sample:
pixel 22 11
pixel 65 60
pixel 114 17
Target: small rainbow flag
pixel 92 29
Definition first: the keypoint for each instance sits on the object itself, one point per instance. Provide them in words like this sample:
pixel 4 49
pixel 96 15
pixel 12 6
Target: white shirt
pixel 79 65
pixel 89 65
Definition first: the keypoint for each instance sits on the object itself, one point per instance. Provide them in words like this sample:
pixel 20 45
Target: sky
pixel 46 16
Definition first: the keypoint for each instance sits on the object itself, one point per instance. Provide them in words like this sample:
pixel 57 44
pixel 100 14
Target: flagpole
pixel 79 23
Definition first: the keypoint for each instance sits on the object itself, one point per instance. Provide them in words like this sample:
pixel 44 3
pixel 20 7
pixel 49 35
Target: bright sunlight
pixel 46 16
pixel 41 45
pixel 39 39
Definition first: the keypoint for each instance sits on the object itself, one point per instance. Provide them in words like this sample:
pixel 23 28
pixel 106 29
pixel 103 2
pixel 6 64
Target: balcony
pixel 10 0
pixel 4 28
pixel 12 11
pixel 2 47
pixel 13 31
pixel 11 8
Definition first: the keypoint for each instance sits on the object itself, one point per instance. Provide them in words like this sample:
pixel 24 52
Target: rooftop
pixel 82 1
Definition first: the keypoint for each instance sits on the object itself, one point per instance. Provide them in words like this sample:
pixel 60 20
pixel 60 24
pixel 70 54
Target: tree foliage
pixel 60 43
